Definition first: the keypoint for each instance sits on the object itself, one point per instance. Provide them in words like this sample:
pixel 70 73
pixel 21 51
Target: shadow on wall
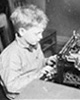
pixel 62 17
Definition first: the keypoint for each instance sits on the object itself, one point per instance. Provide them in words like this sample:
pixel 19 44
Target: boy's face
pixel 33 35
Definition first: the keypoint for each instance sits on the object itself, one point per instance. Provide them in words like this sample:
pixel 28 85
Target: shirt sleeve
pixel 11 74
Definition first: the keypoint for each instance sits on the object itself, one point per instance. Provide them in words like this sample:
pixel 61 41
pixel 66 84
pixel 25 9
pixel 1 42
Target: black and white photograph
pixel 39 49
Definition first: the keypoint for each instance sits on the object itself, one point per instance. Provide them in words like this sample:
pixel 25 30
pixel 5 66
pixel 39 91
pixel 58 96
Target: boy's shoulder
pixel 11 48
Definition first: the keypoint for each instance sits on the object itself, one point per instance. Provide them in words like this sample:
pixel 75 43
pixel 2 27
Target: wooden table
pixel 38 89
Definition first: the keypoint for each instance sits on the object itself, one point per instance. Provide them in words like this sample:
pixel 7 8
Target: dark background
pixel 64 16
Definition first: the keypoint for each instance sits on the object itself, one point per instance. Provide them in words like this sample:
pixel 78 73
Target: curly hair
pixel 28 16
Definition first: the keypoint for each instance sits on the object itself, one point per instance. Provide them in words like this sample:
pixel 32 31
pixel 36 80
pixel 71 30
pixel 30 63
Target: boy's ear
pixel 22 31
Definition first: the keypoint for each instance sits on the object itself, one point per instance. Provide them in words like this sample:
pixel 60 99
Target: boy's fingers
pixel 52 59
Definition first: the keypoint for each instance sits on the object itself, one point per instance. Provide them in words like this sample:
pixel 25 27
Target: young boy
pixel 23 60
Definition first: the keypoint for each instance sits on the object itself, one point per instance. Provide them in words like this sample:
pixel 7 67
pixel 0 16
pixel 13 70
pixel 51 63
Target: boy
pixel 23 60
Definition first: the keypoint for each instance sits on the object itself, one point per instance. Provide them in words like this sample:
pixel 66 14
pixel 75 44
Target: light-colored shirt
pixel 19 66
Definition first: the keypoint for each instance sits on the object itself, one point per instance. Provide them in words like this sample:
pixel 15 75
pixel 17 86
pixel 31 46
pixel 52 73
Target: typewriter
pixel 67 64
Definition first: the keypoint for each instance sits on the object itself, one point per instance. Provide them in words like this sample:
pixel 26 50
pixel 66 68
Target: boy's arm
pixel 19 81
pixel 12 74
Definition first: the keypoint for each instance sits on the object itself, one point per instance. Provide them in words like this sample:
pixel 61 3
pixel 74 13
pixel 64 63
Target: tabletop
pixel 38 89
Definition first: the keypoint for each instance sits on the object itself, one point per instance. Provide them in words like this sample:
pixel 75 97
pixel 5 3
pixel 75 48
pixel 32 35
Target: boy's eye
pixel 38 33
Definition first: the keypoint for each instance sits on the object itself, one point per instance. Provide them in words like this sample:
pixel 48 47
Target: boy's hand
pixel 46 69
pixel 50 64
pixel 50 67
pixel 51 60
